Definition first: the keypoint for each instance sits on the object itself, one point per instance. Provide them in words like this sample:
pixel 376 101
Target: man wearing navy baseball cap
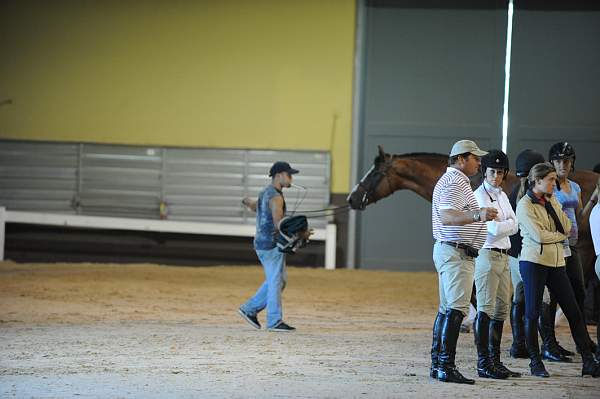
pixel 270 209
pixel 282 166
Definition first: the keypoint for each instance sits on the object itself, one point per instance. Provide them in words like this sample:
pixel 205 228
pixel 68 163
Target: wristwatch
pixel 477 217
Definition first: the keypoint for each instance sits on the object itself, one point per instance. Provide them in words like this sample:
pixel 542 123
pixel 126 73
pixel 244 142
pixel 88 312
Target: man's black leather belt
pixel 502 251
pixel 470 251
pixel 454 244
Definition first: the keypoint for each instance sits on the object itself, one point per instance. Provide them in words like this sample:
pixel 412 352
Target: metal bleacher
pixel 188 190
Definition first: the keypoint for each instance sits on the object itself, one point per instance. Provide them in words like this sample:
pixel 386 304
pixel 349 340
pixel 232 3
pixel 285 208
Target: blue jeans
pixel 269 293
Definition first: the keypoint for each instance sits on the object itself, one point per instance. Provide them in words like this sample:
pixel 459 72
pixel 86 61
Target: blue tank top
pixel 265 228
pixel 570 202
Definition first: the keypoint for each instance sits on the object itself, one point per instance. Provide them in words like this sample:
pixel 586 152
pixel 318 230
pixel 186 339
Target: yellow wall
pixel 216 73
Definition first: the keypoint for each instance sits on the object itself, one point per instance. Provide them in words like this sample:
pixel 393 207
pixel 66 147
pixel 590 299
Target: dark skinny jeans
pixel 575 274
pixel 535 277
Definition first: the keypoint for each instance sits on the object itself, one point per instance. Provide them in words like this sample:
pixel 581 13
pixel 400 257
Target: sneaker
pixel 282 327
pixel 252 320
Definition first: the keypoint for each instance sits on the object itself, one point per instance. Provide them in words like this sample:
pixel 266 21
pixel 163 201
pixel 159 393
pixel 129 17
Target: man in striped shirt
pixel 459 230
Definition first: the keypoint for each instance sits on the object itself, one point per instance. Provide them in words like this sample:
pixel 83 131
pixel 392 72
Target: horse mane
pixel 422 155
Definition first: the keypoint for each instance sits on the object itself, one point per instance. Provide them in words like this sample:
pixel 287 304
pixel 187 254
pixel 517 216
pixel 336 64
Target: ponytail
pixel 523 187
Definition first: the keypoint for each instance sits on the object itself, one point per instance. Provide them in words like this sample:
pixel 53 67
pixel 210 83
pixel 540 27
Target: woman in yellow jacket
pixel 544 227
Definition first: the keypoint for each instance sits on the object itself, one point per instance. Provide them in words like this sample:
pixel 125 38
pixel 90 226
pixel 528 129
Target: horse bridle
pixel 370 189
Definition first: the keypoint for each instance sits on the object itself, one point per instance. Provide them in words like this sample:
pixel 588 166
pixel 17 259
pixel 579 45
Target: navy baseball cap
pixel 281 166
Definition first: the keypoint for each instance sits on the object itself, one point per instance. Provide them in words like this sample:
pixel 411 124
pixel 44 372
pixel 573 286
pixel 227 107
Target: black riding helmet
pixel 562 150
pixel 525 161
pixel 291 229
pixel 495 159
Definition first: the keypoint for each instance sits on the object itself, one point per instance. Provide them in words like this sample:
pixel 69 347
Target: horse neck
pixel 418 175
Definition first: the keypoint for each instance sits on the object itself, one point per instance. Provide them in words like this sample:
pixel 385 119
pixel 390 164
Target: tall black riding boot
pixel 552 312
pixel 496 327
pixel 435 345
pixel 598 337
pixel 590 366
pixel 485 364
pixel 531 338
pixel 518 350
pixel 593 347
pixel 447 371
pixel 550 348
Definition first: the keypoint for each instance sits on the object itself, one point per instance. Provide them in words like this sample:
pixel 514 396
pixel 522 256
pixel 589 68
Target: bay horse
pixel 419 172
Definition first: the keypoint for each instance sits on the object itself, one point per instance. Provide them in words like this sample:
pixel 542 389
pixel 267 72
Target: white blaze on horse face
pixel 361 181
pixel 368 173
pixel 351 192
pixel 363 199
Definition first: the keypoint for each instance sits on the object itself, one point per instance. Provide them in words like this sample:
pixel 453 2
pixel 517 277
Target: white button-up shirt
pixel 505 224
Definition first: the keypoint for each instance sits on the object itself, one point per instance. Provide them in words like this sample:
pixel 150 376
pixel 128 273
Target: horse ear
pixel 381 152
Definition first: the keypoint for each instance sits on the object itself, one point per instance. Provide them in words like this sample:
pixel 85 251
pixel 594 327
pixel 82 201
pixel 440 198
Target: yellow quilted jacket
pixel 542 243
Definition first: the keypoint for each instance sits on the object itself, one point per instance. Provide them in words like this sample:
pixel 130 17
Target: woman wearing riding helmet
pixel 544 226
pixel 568 194
pixel 525 161
pixel 492 274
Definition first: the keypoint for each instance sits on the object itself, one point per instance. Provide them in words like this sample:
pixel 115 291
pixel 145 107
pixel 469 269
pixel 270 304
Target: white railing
pixel 327 234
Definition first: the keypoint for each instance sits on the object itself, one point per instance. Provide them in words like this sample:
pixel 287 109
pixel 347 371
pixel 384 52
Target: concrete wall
pixel 266 74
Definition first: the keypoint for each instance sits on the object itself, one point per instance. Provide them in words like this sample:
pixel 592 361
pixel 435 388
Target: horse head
pixel 417 172
pixel 376 184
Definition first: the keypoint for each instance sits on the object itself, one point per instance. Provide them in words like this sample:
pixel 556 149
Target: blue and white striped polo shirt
pixel 453 191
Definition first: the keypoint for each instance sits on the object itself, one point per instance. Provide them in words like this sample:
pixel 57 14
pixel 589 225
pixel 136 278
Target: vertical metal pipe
pixel 357 116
